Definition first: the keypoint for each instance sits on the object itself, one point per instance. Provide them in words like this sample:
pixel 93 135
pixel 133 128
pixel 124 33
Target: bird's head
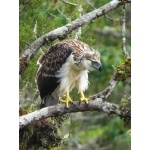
pixel 91 61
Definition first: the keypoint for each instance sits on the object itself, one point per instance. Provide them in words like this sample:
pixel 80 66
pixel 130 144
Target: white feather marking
pixel 82 82
pixel 69 76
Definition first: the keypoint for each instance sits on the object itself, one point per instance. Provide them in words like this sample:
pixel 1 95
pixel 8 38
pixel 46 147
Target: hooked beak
pixel 97 65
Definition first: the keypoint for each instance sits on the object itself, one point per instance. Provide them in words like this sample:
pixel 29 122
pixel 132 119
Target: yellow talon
pixel 83 99
pixel 67 100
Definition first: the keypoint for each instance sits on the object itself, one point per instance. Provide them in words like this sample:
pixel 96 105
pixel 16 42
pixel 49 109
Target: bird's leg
pixel 67 99
pixel 83 99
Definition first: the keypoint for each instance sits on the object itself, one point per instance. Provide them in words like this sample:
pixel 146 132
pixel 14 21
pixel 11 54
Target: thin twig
pixel 90 4
pixel 112 19
pixel 108 90
pixel 78 32
pixel 68 19
pixel 123 32
pixel 66 2
pixel 35 30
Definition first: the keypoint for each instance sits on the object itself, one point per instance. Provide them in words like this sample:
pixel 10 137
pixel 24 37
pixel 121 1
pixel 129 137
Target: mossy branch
pixel 123 71
pixel 58 110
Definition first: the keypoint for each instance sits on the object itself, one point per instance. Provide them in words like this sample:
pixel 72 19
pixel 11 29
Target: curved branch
pixel 58 110
pixel 123 71
pixel 62 32
pixel 97 103
pixel 108 90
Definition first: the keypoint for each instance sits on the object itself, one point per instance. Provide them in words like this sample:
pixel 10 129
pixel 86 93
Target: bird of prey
pixel 65 65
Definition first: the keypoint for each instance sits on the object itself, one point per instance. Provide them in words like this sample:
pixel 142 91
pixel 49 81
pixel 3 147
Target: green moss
pixel 123 70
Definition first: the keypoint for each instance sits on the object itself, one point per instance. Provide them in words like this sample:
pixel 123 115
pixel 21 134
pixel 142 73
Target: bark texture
pixel 58 110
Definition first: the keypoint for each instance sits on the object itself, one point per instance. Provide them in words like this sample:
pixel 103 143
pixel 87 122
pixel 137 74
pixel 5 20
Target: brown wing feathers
pixel 53 60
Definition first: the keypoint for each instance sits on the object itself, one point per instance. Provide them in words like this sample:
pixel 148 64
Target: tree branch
pixel 78 32
pixel 66 2
pixel 123 32
pixel 88 3
pixel 108 90
pixel 62 32
pixel 58 110
pixel 68 19
pixel 123 71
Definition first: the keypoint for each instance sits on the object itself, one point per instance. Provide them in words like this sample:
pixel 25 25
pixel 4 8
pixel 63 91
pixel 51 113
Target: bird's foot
pixel 66 101
pixel 83 99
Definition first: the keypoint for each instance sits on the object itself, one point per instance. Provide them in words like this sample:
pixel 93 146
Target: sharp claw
pixel 67 101
pixel 67 105
pixel 85 100
pixel 90 98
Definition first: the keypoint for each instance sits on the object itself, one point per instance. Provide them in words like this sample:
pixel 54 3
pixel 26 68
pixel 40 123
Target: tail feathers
pixel 49 101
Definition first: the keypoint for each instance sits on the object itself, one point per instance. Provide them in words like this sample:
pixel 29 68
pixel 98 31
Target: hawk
pixel 64 66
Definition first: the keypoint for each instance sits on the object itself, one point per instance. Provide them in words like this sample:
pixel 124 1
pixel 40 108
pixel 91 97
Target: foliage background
pixel 88 130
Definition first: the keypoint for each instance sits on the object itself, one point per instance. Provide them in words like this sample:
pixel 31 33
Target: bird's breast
pixel 67 75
